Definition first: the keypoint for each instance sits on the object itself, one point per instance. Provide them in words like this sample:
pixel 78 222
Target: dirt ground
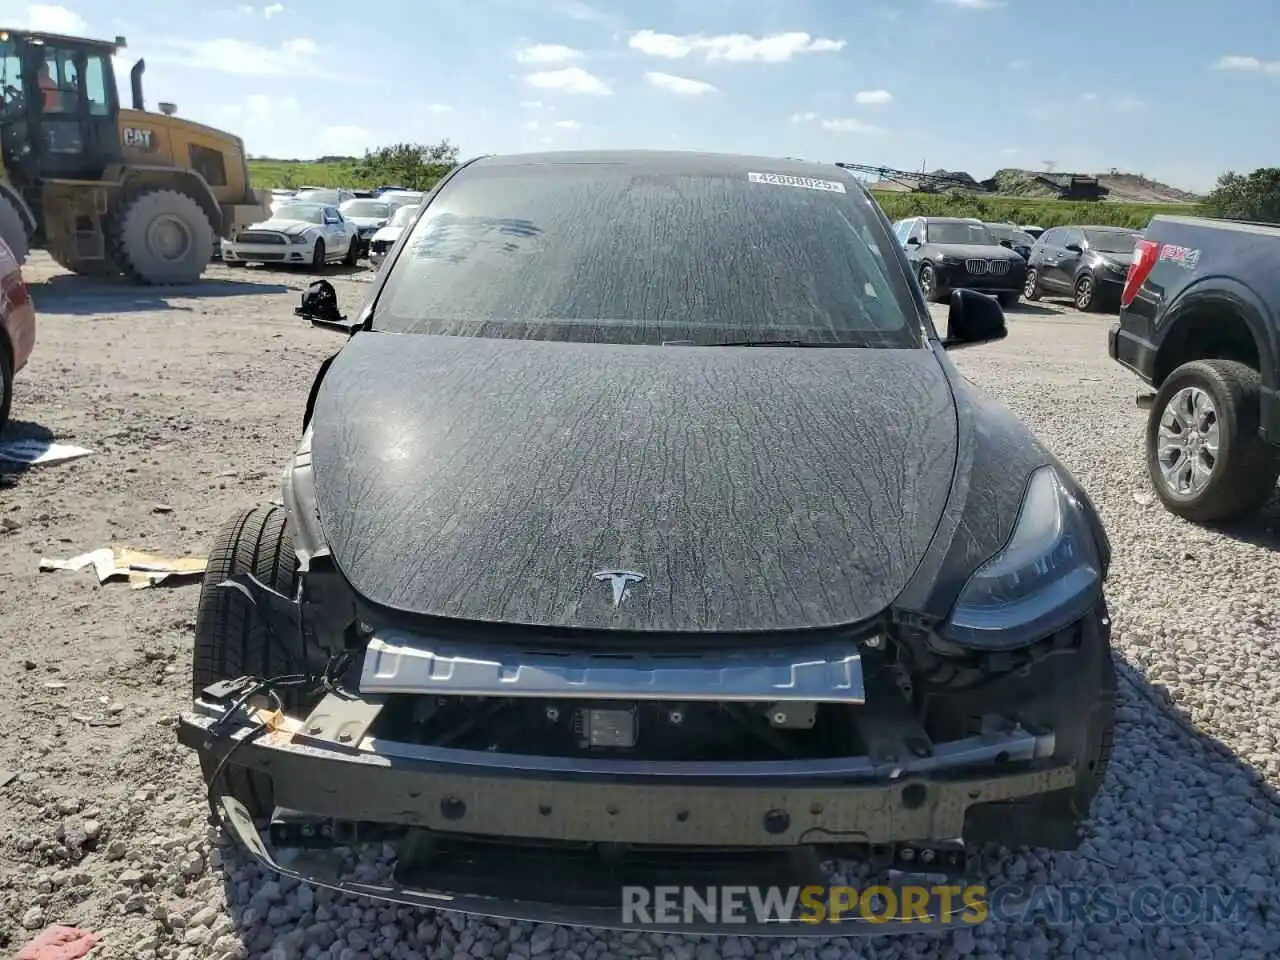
pixel 191 401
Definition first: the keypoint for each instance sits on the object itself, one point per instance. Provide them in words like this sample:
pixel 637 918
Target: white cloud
pixel 974 4
pixel 1248 65
pixel 240 57
pixel 1088 96
pixel 547 53
pixel 531 125
pixel 569 80
pixel 568 125
pixel 50 18
pixel 682 86
pixel 849 125
pixel 1128 104
pixel 804 117
pixel 732 47
pixel 439 108
pixel 1008 151
pixel 873 96
pixel 531 104
pixel 272 9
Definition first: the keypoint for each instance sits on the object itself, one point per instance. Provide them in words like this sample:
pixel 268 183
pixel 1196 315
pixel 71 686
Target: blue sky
pixel 1178 90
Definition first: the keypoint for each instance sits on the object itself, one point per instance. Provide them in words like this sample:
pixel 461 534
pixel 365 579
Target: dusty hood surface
pixel 755 489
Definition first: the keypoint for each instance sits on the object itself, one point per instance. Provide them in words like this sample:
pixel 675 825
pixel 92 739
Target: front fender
pixel 996 455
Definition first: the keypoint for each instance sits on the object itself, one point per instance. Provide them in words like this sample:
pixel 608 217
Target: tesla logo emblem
pixel 620 580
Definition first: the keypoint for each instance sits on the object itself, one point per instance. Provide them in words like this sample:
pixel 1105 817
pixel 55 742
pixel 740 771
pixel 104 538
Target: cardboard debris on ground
pixel 34 452
pixel 140 569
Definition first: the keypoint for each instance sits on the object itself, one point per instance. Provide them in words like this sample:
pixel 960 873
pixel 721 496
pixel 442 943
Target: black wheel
pixel 929 283
pixel 1031 287
pixel 1009 298
pixel 1086 293
pixel 317 256
pixel 1204 455
pixel 6 381
pixel 163 237
pixel 353 253
pixel 230 641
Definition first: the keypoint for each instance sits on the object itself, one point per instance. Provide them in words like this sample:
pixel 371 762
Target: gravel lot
pixel 191 403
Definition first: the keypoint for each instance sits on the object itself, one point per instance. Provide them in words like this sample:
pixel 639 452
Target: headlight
pixel 298 238
pixel 1047 576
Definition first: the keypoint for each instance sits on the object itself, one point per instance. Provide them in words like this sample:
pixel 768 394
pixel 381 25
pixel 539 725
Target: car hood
pixel 389 233
pixel 756 489
pixel 283 226
pixel 364 222
pixel 976 250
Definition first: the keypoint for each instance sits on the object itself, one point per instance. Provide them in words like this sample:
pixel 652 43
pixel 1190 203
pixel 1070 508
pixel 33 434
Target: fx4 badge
pixel 621 581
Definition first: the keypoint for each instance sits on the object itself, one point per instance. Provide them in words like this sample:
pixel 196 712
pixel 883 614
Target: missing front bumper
pixel 772 812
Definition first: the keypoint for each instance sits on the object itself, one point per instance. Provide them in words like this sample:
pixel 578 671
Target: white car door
pixel 335 233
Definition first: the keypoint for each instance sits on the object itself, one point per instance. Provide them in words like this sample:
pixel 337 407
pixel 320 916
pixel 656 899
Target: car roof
pixel 953 220
pixel 673 161
pixel 1093 229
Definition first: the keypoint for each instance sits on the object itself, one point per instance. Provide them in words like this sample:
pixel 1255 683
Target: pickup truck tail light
pixel 1144 258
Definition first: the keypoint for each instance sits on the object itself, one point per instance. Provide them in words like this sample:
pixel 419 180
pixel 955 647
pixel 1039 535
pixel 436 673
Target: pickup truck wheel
pixel 1086 293
pixel 230 641
pixel 1205 457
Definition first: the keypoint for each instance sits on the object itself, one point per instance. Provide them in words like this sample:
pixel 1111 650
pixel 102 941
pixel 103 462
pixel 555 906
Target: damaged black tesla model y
pixel 643 532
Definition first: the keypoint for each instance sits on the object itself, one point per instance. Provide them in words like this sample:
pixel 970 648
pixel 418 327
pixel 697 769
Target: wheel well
pixel 1206 333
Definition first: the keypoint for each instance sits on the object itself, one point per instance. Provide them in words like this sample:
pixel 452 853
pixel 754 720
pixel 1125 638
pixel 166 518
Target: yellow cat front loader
pixel 108 190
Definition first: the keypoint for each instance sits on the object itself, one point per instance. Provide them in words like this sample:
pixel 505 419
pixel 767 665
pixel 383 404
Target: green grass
pixel 1043 213
pixel 267 174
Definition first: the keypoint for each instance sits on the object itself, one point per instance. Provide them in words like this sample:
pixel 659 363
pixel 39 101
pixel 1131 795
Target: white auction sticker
pixel 808 183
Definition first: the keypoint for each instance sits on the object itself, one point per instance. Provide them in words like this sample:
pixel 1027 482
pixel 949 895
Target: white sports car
pixel 369 216
pixel 297 233
pixel 382 241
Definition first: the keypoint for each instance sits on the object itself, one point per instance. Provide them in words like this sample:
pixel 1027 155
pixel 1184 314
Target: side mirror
pixel 1074 248
pixel 973 318
pixel 320 306
pixel 913 241
pixel 1007 244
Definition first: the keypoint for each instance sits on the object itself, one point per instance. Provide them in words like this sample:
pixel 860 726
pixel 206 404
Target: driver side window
pixel 95 86
pixel 917 231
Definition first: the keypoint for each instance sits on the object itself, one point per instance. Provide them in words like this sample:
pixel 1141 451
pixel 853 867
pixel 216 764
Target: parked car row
pixel 316 226
pixel 1086 263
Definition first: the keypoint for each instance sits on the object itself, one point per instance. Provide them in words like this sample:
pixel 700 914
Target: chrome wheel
pixel 927 281
pixel 1084 293
pixel 1187 442
pixel 1029 288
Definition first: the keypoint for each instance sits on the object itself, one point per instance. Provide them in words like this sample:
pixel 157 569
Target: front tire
pixel 318 261
pixel 1205 457
pixel 353 253
pixel 164 237
pixel 929 283
pixel 1031 287
pixel 230 641
pixel 1086 293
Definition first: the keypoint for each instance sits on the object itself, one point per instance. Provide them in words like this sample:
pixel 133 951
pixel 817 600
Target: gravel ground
pixel 191 403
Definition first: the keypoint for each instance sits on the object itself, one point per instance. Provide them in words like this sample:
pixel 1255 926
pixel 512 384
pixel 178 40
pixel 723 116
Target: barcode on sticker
pixel 808 183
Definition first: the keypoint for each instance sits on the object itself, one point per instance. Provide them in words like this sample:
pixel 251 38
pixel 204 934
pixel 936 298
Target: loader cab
pixel 59 118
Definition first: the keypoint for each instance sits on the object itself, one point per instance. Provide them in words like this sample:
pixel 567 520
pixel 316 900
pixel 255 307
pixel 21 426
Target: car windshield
pixel 366 208
pixel 329 197
pixel 310 212
pixel 643 254
pixel 403 216
pixel 1002 232
pixel 1111 241
pixel 959 231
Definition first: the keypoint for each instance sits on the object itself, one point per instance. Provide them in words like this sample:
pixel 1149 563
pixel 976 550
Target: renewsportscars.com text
pixel 1182 904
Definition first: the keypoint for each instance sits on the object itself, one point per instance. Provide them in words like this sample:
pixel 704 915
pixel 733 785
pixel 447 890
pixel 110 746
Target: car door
pixel 1049 257
pixel 915 241
pixel 335 234
pixel 1074 246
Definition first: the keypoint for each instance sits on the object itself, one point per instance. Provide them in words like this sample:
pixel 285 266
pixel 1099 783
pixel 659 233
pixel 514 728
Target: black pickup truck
pixel 1200 322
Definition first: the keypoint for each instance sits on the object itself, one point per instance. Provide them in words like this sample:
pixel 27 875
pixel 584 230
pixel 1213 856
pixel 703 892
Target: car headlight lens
pixel 298 238
pixel 1047 576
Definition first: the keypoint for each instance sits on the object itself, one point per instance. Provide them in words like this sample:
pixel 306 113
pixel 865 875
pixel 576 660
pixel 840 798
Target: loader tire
pixel 13 230
pixel 230 640
pixel 87 268
pixel 164 237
